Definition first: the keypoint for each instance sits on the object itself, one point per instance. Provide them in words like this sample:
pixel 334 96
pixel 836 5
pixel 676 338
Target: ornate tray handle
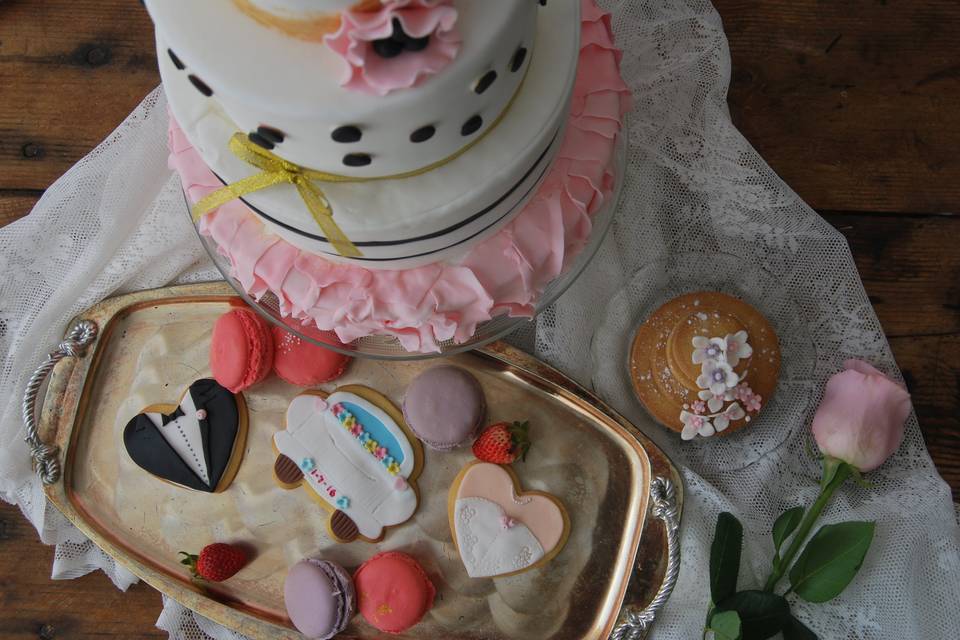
pixel 45 457
pixel 664 507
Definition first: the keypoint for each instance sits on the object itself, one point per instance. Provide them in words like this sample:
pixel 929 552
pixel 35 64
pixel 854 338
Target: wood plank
pixel 929 366
pixel 852 102
pixel 32 606
pixel 910 268
pixel 15 205
pixel 70 72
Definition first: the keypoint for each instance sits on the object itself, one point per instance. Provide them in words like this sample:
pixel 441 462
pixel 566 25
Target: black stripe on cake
pixel 429 236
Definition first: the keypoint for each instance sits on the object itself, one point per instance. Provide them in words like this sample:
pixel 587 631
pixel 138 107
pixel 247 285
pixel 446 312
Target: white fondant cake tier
pixel 303 8
pixel 437 215
pixel 261 77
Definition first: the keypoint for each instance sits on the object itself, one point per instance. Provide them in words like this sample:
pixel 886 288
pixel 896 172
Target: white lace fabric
pixel 695 187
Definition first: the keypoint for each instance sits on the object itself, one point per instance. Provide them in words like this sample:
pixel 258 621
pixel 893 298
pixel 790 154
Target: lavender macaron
pixel 444 406
pixel 319 597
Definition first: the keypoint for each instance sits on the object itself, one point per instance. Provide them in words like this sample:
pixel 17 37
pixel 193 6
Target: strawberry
pixel 216 562
pixel 503 443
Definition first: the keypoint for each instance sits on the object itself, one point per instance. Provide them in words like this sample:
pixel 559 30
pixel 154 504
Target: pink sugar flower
pixel 397 46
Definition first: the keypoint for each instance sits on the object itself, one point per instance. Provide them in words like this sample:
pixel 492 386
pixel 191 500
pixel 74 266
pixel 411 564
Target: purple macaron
pixel 444 406
pixel 320 598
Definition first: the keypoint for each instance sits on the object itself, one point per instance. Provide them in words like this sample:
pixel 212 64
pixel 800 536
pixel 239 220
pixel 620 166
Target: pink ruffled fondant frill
pixel 367 72
pixel 422 306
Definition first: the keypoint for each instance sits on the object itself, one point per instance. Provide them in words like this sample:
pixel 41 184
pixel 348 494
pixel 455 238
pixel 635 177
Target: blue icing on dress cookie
pixel 377 430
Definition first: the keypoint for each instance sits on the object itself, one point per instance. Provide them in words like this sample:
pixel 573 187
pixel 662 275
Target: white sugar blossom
pixel 736 347
pixel 694 425
pixel 707 349
pixel 718 377
pixel 714 401
pixel 730 414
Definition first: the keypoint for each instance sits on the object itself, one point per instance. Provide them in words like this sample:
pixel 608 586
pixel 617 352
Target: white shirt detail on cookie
pixel 342 468
pixel 183 434
pixel 491 544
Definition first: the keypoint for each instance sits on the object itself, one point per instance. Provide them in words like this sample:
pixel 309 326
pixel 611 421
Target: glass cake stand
pixel 384 347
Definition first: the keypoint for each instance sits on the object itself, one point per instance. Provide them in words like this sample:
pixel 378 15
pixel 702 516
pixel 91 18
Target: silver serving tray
pixel 614 573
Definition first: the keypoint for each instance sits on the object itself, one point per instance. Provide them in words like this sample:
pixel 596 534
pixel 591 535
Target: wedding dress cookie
pixel 353 453
pixel 498 530
pixel 197 444
pixel 705 363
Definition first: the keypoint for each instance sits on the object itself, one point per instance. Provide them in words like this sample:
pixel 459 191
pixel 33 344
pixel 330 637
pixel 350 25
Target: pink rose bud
pixel 861 417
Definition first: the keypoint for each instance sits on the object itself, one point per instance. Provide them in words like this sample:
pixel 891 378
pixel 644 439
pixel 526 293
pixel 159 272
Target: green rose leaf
pixel 762 614
pixel 796 630
pixel 830 560
pixel 785 525
pixel 725 625
pixel 725 557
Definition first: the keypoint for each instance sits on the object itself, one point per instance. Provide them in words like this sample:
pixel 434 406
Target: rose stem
pixel 809 518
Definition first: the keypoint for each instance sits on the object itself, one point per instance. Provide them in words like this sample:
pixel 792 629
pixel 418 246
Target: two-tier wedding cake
pixel 401 167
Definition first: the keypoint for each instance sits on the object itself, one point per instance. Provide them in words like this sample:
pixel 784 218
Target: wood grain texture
pixel 910 267
pixel 32 606
pixel 16 204
pixel 70 72
pixel 852 102
pixel 929 367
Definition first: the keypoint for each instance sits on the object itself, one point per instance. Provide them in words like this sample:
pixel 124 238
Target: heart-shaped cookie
pixel 197 444
pixel 498 530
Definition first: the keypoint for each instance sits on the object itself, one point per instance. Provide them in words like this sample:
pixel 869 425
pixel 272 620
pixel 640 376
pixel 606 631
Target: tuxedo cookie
pixel 355 456
pixel 197 444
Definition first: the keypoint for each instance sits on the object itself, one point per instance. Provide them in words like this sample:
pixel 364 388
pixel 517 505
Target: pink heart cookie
pixel 499 530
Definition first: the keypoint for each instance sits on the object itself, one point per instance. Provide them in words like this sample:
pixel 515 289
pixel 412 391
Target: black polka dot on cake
pixel 273 135
pixel 260 140
pixel 423 133
pixel 518 59
pixel 200 85
pixel 485 81
pixel 357 159
pixel 347 134
pixel 471 126
pixel 176 60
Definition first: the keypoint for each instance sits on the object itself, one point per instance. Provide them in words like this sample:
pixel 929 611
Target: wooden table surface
pixel 855 103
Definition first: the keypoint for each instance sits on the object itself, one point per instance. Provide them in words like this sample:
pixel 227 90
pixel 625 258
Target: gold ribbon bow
pixel 275 170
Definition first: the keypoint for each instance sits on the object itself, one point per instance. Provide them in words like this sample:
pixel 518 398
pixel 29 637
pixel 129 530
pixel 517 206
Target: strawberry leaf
pixel 520 439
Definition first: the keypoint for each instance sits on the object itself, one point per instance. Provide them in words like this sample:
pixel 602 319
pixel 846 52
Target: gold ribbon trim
pixel 275 170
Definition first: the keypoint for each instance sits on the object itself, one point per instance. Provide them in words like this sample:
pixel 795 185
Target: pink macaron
pixel 241 349
pixel 303 363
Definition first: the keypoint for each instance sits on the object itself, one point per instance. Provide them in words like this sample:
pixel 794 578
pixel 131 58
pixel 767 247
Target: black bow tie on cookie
pixel 209 432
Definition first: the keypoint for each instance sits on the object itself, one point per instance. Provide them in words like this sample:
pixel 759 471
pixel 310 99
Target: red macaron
pixel 241 349
pixel 303 363
pixel 394 591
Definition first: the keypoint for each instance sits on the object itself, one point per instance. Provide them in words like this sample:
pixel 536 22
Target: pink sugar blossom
pixel 367 71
